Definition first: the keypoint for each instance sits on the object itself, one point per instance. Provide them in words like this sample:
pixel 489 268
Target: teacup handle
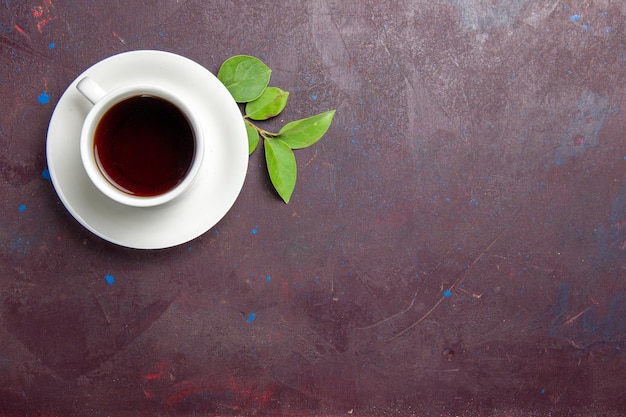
pixel 90 89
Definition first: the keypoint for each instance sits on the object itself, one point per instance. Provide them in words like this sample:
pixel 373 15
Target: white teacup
pixel 141 145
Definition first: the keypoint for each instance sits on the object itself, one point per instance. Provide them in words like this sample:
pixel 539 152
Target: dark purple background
pixel 456 243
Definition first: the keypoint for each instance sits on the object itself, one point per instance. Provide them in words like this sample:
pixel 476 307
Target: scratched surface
pixel 456 244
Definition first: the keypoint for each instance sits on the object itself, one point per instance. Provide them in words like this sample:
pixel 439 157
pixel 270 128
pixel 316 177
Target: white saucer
pixel 210 197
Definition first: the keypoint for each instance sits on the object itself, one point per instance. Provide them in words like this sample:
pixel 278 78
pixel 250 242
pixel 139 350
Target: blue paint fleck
pixel 585 27
pixel 251 317
pixel 43 98
pixel 189 248
pixel 543 390
pixel 268 278
pixel 575 18
pixel 51 45
pixel 447 293
pixel 45 174
pixel 314 96
pixel 22 208
pixel 254 230
pixel 109 279
pixel 474 201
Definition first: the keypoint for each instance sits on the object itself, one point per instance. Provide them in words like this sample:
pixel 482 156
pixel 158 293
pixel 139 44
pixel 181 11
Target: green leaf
pixel 245 77
pixel 253 137
pixel 271 103
pixel 302 133
pixel 281 165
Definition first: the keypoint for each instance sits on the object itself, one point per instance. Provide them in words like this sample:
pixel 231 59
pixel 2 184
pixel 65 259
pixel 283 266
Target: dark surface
pixel 456 243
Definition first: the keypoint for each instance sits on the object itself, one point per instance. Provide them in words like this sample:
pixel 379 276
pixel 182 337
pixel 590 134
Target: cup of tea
pixel 141 145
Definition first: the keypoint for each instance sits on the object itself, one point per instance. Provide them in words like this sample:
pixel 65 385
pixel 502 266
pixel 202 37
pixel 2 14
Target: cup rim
pixel 90 165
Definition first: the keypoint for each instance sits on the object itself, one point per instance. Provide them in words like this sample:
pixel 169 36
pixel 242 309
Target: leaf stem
pixel 264 133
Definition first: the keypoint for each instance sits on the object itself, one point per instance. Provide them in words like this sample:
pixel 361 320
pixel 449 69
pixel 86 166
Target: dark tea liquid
pixel 144 145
